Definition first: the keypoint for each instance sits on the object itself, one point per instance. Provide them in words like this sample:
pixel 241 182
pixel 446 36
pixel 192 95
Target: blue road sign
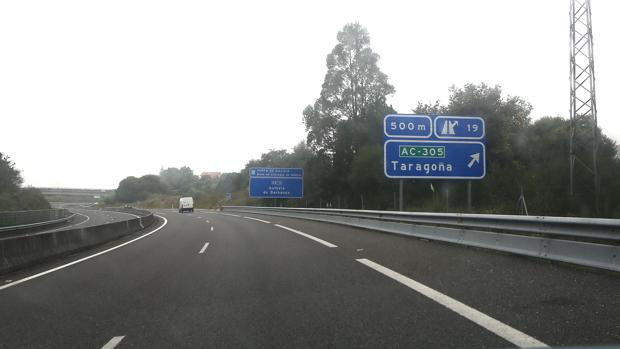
pixel 276 182
pixel 408 126
pixel 458 127
pixel 440 147
pixel 434 159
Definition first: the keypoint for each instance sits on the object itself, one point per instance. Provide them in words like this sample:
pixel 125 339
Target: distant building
pixel 213 175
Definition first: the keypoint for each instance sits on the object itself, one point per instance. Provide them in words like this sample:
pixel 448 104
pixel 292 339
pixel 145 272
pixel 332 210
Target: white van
pixel 186 204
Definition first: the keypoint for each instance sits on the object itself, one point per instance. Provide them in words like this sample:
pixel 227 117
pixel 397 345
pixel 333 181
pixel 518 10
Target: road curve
pixel 211 279
pixel 87 218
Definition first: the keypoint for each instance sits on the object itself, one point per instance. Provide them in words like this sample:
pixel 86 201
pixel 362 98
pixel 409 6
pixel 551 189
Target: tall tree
pixel 10 178
pixel 12 196
pixel 353 84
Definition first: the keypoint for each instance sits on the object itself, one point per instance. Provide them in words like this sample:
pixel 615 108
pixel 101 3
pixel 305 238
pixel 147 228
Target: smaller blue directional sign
pixel 266 182
pixel 407 126
pixel 434 159
pixel 459 127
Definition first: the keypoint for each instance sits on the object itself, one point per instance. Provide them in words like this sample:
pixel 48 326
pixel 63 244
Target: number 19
pixel 472 128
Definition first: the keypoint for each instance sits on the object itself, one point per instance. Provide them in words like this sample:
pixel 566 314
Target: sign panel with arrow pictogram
pixel 449 147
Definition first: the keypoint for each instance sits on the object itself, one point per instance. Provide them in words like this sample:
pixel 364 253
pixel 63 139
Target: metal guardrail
pixel 586 241
pixel 30 228
pixel 45 224
pixel 15 218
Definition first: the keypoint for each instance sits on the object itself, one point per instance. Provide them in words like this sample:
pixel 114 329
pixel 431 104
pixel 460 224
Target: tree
pixel 12 196
pixel 531 155
pixel 348 114
pixel 10 178
pixel 32 199
pixel 506 121
pixel 367 177
pixel 151 184
pixel 353 84
pixel 132 189
pixel 128 190
pixel 178 180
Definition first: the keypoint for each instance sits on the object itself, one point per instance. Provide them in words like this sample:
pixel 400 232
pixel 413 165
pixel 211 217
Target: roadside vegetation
pixel 12 196
pixel 342 155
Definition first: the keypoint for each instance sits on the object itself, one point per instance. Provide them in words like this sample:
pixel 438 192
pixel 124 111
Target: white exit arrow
pixel 474 158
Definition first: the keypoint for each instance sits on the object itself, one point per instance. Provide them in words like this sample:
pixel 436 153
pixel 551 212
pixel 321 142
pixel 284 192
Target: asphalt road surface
pixel 211 279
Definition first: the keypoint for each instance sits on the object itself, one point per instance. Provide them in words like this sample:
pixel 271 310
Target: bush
pixel 23 199
pixel 32 199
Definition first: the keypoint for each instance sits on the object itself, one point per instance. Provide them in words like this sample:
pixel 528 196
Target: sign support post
pixel 469 196
pixel 400 195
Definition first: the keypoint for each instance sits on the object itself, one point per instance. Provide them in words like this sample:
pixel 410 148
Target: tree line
pixel 342 156
pixel 12 196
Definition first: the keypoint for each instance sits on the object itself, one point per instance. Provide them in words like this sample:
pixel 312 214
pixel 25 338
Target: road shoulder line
pixel 14 283
pixel 510 334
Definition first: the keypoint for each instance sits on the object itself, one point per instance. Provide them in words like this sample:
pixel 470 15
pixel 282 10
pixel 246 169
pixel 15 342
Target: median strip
pixel 328 244
pixel 510 334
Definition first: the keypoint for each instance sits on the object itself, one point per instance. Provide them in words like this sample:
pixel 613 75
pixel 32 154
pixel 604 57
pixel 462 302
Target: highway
pixel 84 217
pixel 211 279
pixel 87 217
pixel 91 217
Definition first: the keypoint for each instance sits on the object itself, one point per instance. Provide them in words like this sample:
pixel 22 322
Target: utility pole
pixel 582 93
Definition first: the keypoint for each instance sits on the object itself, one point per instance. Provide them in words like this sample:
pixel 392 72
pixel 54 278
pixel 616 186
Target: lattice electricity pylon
pixel 582 91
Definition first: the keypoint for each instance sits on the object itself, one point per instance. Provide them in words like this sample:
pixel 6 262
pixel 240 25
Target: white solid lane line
pixel 256 219
pixel 204 248
pixel 230 214
pixel 83 259
pixel 113 342
pixel 510 334
pixel 82 222
pixel 328 244
pixel 69 226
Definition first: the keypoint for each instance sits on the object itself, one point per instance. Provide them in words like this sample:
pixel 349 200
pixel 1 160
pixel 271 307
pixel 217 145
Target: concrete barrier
pixel 21 251
pixel 19 218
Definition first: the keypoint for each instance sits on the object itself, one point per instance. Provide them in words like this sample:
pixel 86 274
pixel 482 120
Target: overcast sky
pixel 92 92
